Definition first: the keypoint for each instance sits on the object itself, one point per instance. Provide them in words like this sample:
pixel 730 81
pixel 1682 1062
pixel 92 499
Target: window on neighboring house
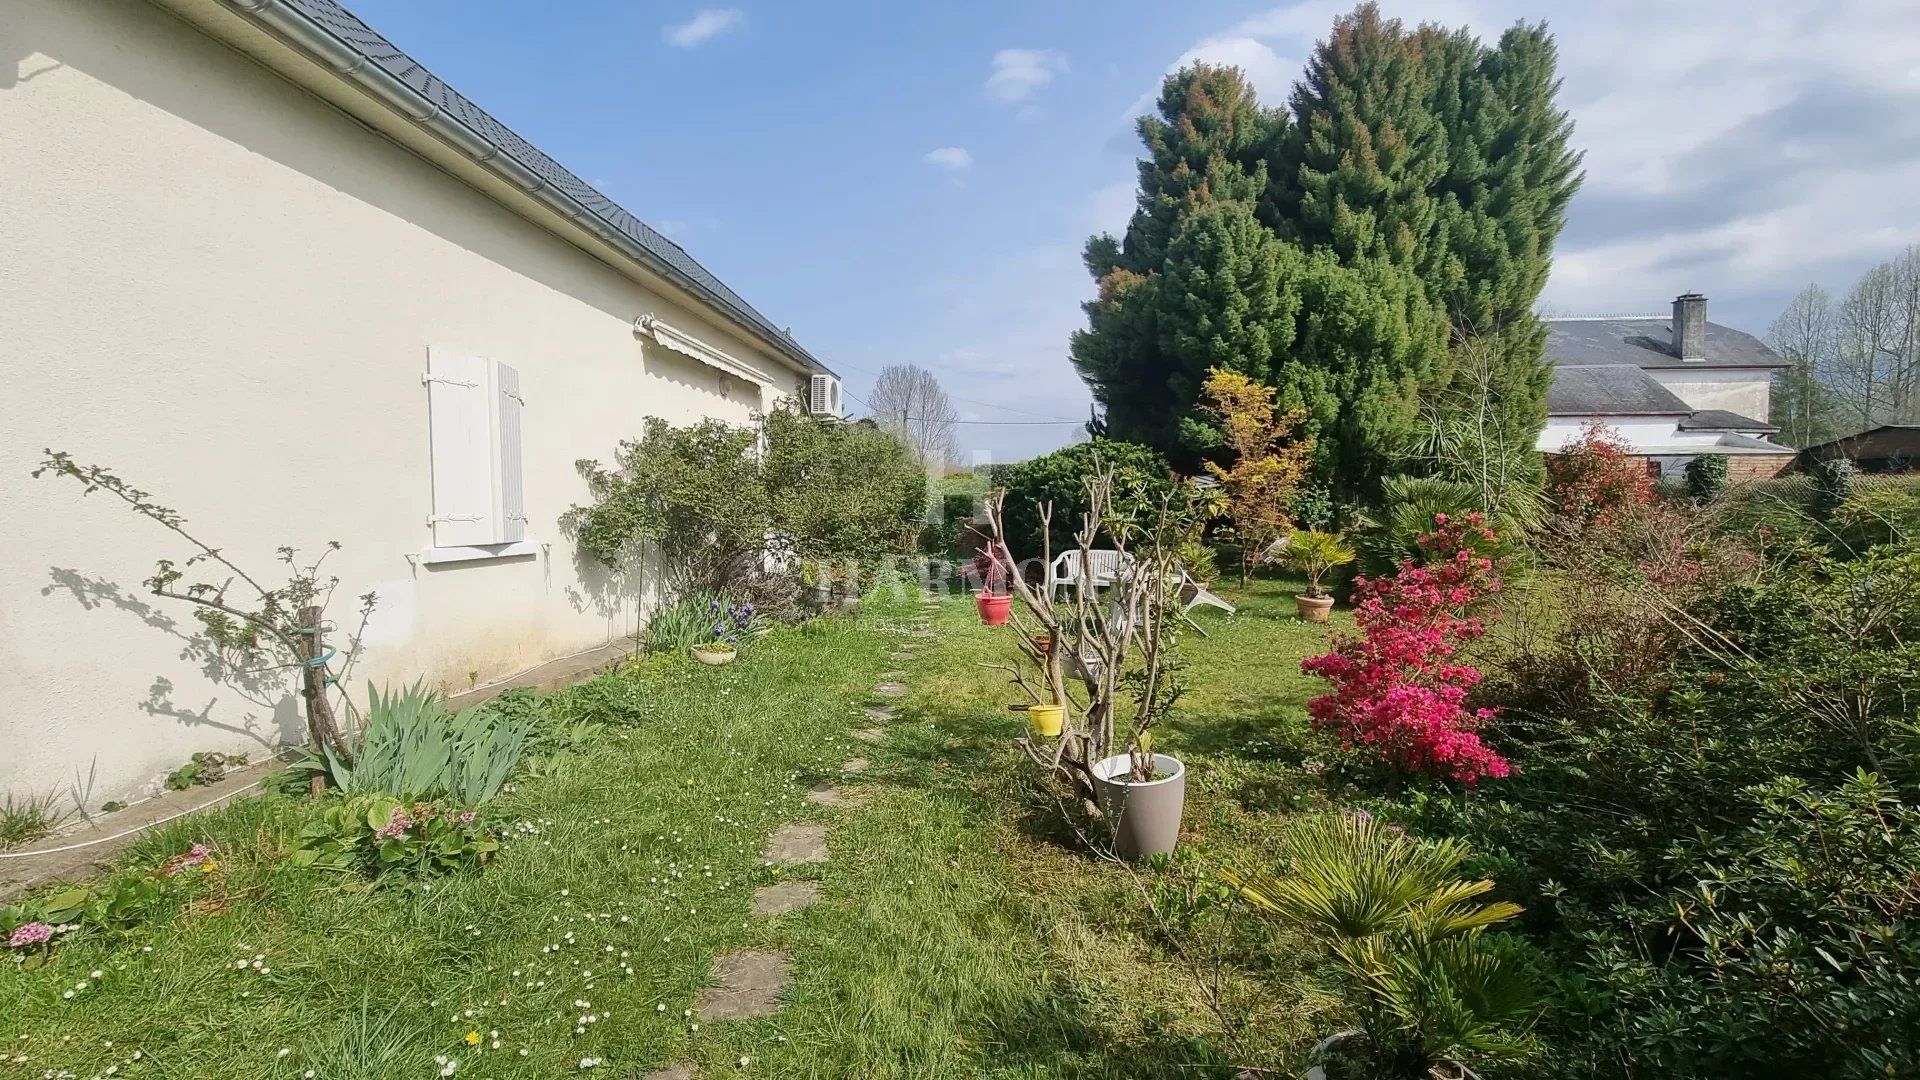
pixel 479 498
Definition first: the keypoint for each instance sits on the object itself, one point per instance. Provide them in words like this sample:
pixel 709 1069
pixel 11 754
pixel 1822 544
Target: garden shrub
pixel 840 493
pixel 1140 477
pixel 1397 688
pixel 375 835
pixel 1723 823
pixel 1706 477
pixel 1596 477
pixel 1880 511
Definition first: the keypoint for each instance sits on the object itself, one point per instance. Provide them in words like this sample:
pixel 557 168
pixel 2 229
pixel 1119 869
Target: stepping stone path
pixel 673 1072
pixel 797 843
pixel 836 798
pixel 750 983
pixel 751 980
pixel 784 896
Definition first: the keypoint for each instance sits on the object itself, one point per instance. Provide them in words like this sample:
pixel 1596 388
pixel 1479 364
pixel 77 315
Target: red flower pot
pixel 994 607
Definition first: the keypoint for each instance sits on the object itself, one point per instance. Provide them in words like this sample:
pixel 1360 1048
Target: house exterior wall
pixel 1638 430
pixel 1747 391
pixel 225 290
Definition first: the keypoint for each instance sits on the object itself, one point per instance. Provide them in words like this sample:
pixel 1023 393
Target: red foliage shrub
pixel 1395 687
pixel 1595 478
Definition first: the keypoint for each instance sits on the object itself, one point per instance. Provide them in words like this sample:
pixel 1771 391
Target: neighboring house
pixel 264 265
pixel 1889 448
pixel 1675 388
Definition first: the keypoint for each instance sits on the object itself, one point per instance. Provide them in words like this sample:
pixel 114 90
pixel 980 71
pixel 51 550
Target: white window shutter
pixel 459 395
pixel 512 525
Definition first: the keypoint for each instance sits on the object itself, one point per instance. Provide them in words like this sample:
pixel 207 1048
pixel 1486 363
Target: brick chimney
pixel 1690 326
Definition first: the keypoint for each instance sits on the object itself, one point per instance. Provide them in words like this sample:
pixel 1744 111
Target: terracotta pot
pixel 714 657
pixel 994 607
pixel 1043 642
pixel 1313 608
pixel 1145 816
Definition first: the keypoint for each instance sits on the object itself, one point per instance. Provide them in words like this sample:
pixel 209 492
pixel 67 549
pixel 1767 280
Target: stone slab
pixel 784 896
pixel 855 766
pixel 797 843
pixel 870 734
pixel 750 984
pixel 890 689
pixel 828 795
pixel 881 712
pixel 681 1071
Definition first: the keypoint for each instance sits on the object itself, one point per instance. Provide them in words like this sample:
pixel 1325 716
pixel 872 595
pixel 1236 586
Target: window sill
pixel 480 552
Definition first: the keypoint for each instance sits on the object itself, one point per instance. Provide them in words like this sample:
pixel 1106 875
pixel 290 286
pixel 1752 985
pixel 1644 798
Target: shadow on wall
pixel 270 117
pixel 619 595
pixel 269 690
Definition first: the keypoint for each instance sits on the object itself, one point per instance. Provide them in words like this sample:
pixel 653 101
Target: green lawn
pixel 960 931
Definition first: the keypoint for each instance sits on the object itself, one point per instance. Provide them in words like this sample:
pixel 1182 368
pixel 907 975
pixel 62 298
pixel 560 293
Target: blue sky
pixel 912 183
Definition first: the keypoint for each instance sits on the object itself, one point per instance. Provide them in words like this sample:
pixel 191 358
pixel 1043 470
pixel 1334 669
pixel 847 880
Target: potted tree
pixel 1314 553
pixel 1116 641
pixel 993 600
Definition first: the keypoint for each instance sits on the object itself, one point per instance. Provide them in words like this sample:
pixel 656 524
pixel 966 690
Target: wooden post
pixel 322 729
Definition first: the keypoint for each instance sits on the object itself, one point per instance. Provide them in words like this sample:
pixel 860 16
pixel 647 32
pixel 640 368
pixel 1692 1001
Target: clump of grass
pixel 27 818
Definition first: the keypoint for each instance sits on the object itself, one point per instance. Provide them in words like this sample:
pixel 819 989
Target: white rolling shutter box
pixel 459 399
pixel 512 526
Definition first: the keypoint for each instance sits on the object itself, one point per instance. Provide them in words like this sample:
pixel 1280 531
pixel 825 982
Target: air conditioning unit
pixel 823 396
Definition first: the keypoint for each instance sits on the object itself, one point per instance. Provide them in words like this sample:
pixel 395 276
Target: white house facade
pixel 1673 387
pixel 262 264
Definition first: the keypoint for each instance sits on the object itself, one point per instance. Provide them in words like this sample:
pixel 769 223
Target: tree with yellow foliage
pixel 1267 465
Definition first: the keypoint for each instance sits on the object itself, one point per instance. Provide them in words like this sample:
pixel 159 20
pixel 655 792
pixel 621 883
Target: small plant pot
pixel 1046 720
pixel 1313 608
pixel 994 607
pixel 1043 642
pixel 1145 816
pixel 714 657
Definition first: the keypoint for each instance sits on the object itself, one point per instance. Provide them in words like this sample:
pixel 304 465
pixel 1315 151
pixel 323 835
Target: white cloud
pixel 1018 73
pixel 1739 163
pixel 951 158
pixel 704 27
pixel 1271 75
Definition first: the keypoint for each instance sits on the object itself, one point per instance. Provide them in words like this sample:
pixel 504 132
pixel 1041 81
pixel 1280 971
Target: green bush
pixel 1707 477
pixel 1723 824
pixel 375 835
pixel 680 625
pixel 1140 473
pixel 841 493
pixel 1880 511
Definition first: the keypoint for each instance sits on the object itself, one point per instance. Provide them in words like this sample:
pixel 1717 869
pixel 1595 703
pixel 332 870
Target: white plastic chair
pixel 1101 567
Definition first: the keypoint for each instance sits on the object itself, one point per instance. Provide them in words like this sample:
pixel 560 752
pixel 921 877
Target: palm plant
pixel 1313 553
pixel 1432 991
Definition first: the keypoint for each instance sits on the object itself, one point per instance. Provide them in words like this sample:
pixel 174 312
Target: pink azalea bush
pixel 1396 688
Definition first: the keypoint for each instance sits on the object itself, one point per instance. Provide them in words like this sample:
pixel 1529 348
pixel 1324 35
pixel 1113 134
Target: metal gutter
pixel 295 28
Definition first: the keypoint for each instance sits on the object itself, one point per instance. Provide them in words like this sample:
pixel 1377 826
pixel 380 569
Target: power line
pixel 1000 423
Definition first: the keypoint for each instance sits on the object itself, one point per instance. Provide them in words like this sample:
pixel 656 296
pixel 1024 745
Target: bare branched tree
pixel 909 402
pixel 1804 408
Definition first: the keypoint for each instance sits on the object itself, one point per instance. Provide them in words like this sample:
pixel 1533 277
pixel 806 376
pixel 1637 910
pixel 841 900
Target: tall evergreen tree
pixel 1412 194
pixel 1206 145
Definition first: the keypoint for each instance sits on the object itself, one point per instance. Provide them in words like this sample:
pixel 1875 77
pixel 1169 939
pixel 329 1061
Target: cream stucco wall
pixel 1747 391
pixel 225 289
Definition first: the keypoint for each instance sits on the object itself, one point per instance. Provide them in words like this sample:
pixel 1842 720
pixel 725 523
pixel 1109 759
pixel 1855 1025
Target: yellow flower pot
pixel 1046 720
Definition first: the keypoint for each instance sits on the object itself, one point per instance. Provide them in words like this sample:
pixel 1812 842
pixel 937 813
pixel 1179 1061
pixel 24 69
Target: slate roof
pixel 1648 343
pixel 1722 420
pixel 1610 390
pixel 363 39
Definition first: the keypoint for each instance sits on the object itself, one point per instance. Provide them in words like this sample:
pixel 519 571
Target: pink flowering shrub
pixel 1396 688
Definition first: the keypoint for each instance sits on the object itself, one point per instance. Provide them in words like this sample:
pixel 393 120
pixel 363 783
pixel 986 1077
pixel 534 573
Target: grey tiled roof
pixel 1610 390
pixel 1648 343
pixel 363 39
pixel 1722 420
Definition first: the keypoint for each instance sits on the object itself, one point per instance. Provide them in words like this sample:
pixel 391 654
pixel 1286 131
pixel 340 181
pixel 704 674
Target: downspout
pixel 297 29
